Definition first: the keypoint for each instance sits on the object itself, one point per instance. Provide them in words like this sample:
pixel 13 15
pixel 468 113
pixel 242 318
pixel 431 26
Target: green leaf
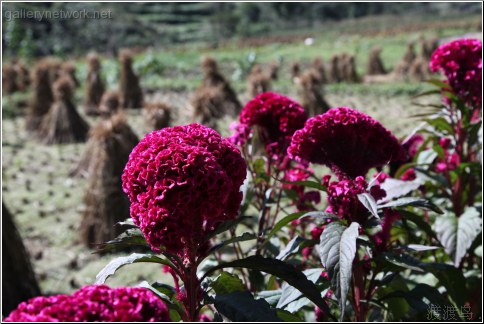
pixel 240 306
pixel 469 226
pixel 225 226
pixel 271 296
pixel 438 83
pixel 120 262
pixel 420 248
pixel 244 237
pixel 397 188
pixel 287 316
pixel 424 298
pixel 440 124
pixel 132 237
pixel 450 277
pixel 427 157
pixel 290 294
pixel 306 183
pixel 457 234
pixel 369 202
pixel 280 269
pixel 227 283
pixel 292 246
pixel 291 217
pixel 337 250
pixel 175 307
pixel 411 201
pixel 419 221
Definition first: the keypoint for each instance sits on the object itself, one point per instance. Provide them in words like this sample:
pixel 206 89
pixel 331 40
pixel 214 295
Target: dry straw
pixel 311 93
pixel 375 64
pixel 94 85
pixel 129 87
pixel 157 115
pixel 258 81
pixel 42 97
pixel 63 124
pixel 110 144
pixel 214 98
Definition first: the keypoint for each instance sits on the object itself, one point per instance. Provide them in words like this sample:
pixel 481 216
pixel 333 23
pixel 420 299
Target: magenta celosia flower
pixel 97 303
pixel 409 175
pixel 412 145
pixel 461 63
pixel 277 118
pixel 347 141
pixel 343 198
pixel 306 199
pixel 183 181
pixel 240 133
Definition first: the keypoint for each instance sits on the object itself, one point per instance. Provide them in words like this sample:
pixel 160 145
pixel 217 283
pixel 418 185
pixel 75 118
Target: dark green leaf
pixel 271 296
pixel 244 237
pixel 438 83
pixel 397 188
pixel 424 298
pixel 307 183
pixel 420 248
pixel 227 283
pixel 446 230
pixel 240 306
pixel 130 238
pixel 290 294
pixel 117 263
pixel 337 250
pixel 369 202
pixel 291 217
pixel 225 226
pixel 411 201
pixel 450 277
pixel 174 308
pixel 290 247
pixel 419 221
pixel 287 316
pixel 469 226
pixel 280 269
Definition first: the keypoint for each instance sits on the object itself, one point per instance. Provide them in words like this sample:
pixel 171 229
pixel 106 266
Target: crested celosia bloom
pixel 300 173
pixel 240 133
pixel 347 141
pixel 461 63
pixel 182 182
pixel 97 303
pixel 343 198
pixel 277 118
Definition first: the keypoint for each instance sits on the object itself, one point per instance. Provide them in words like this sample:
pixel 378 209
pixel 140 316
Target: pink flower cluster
pixel 450 161
pixel 300 173
pixel 461 63
pixel 343 198
pixel 97 303
pixel 347 141
pixel 277 118
pixel 183 181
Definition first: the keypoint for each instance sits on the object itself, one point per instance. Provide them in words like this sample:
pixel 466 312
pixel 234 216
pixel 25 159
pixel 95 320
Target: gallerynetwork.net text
pixel 56 14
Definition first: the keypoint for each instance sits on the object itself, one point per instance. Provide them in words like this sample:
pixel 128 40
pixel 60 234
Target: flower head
pixel 97 303
pixel 343 198
pixel 277 118
pixel 183 181
pixel 347 141
pixel 305 199
pixel 461 63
